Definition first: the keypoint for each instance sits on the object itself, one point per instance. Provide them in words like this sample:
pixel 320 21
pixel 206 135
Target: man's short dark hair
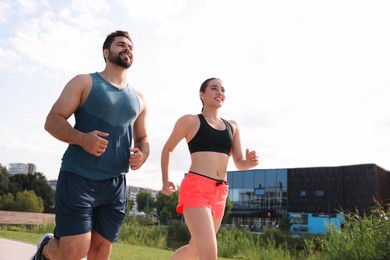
pixel 110 38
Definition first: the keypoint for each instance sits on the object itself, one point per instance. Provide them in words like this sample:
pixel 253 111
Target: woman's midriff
pixel 211 164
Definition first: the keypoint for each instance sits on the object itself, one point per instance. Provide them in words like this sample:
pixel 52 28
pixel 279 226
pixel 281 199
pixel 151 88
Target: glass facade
pixel 259 190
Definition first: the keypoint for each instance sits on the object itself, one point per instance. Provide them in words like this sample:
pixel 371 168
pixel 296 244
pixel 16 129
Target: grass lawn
pixel 120 251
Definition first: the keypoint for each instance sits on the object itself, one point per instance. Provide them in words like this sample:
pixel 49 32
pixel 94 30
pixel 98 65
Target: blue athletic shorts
pixel 83 205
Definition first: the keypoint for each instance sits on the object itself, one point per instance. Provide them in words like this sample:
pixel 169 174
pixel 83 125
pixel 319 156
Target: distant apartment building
pixel 26 168
pixel 132 192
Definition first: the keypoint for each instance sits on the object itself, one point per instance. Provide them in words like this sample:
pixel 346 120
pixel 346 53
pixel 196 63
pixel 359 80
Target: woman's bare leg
pixel 203 229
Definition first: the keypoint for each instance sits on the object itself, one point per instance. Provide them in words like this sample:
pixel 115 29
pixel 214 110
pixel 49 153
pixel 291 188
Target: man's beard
pixel 116 59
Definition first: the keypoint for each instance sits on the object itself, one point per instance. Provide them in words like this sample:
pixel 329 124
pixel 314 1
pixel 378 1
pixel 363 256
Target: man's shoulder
pixel 82 77
pixel 80 81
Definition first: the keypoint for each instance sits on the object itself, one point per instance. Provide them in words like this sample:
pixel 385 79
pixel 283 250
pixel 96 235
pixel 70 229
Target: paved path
pixel 15 250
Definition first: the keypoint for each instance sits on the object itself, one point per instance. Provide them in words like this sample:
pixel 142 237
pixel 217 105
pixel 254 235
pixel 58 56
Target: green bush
pixel 178 235
pixel 362 237
pixel 134 233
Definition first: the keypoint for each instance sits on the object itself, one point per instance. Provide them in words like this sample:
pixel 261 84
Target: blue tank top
pixel 209 139
pixel 111 110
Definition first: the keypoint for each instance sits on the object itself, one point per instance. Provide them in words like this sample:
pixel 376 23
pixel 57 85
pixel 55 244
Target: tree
pixel 12 185
pixel 19 182
pixel 7 202
pixel 36 182
pixel 145 202
pixel 4 180
pixel 28 201
pixel 42 189
pixel 166 207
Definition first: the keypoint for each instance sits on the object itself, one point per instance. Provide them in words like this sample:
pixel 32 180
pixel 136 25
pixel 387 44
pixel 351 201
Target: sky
pixel 308 82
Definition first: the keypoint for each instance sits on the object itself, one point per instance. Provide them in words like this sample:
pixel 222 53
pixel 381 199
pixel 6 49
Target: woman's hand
pixel 168 188
pixel 251 158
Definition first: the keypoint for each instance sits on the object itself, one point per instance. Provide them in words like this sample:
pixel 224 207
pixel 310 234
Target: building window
pixel 319 193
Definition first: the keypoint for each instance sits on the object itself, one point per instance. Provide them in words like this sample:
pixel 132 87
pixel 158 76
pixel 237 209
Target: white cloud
pixel 86 15
pixel 5 11
pixel 58 43
pixel 152 11
pixel 27 7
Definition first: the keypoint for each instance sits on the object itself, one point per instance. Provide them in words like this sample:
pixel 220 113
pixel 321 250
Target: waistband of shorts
pixel 217 181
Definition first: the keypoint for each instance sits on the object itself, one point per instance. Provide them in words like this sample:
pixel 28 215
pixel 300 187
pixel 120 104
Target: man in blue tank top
pixel 108 137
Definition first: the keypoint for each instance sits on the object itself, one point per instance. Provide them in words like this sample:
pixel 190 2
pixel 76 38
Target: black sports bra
pixel 209 139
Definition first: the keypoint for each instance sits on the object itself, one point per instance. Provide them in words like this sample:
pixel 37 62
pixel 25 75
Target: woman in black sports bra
pixel 203 192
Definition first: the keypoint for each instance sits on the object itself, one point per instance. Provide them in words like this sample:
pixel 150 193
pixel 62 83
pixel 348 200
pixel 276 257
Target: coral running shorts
pixel 199 191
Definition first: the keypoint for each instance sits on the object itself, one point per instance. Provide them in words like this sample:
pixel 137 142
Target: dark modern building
pixel 261 196
pixel 331 189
